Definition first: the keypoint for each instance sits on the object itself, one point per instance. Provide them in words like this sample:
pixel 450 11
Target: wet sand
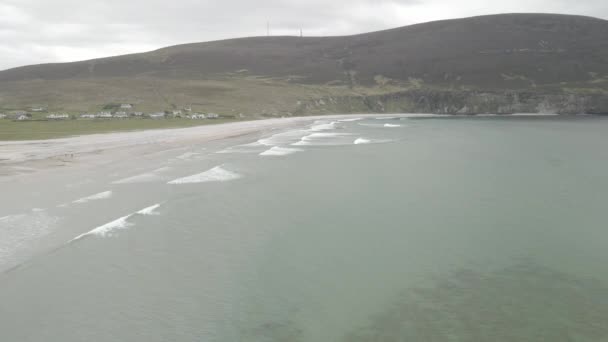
pixel 25 157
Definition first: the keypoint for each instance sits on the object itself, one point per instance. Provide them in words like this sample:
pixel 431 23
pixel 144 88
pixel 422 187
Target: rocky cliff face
pixel 461 102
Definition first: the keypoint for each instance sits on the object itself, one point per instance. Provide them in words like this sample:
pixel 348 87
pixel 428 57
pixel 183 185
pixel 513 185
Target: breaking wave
pixel 350 120
pixel 217 174
pixel 280 151
pixel 323 139
pixel 121 223
pixel 362 141
pixel 99 196
pixel 321 126
pixel 284 138
pixel 391 125
pixel 151 210
pixel 144 177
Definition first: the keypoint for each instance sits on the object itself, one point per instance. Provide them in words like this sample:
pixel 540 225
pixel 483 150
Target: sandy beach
pixel 25 157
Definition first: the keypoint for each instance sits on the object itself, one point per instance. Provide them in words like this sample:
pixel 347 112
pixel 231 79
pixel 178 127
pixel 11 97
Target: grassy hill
pixel 499 63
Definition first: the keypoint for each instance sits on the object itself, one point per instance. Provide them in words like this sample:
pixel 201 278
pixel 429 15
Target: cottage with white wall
pixel 58 117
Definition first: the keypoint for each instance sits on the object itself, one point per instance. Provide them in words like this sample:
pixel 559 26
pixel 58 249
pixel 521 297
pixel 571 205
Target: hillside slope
pixel 543 55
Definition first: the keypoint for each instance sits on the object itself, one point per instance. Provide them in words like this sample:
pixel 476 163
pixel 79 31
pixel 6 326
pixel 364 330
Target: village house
pixel 198 116
pixel 159 115
pixel 2 116
pixel 121 115
pixel 104 115
pixel 177 113
pixel 38 109
pixel 126 106
pixel 22 117
pixel 137 114
pixel 212 116
pixel 58 117
pixel 88 116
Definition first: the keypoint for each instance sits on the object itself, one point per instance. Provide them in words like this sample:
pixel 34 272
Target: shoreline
pixel 28 156
pixel 24 157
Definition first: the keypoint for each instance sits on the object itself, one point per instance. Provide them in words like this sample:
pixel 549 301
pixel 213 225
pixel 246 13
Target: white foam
pixel 350 120
pixel 150 210
pixel 391 125
pixel 107 228
pixel 187 155
pixel 361 141
pixel 99 196
pixel 284 138
pixel 280 151
pixel 387 118
pixel 121 223
pixel 217 174
pixel 144 177
pixel 324 138
pixel 320 126
pixel 19 233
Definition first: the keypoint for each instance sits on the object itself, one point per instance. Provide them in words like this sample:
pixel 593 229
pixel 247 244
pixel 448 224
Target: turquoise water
pixel 437 229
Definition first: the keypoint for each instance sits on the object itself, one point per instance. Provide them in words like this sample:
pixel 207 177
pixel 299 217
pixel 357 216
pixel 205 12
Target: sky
pixel 45 31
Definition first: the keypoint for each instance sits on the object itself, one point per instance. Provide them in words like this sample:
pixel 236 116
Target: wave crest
pixel 217 174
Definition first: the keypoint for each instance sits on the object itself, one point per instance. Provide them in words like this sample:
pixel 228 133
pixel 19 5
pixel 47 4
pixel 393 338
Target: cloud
pixel 38 31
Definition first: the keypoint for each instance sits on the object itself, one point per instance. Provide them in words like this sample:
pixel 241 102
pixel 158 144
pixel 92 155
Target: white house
pixel 58 117
pixel 104 115
pixel 121 115
pixel 198 116
pixel 2 116
pixel 157 115
pixel 138 114
pixel 22 117
pixel 88 116
pixel 177 113
pixel 212 116
pixel 126 106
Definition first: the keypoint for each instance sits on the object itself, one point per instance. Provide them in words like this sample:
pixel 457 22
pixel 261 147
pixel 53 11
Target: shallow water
pixel 489 229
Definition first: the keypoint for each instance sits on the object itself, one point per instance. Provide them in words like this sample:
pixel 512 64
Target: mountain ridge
pixel 552 54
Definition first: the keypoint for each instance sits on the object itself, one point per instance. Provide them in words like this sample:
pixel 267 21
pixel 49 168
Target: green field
pixel 34 130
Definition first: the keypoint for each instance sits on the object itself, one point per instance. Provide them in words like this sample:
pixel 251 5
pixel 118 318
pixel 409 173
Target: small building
pixel 88 116
pixel 104 115
pixel 198 116
pixel 177 113
pixel 38 109
pixel 137 114
pixel 212 116
pixel 158 115
pixel 126 106
pixel 121 115
pixel 3 116
pixel 22 117
pixel 58 117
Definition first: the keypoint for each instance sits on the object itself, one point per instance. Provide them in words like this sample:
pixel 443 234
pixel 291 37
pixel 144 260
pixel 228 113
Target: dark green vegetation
pixel 502 63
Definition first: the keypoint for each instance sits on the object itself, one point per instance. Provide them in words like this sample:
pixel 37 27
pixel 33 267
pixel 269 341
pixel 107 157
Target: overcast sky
pixel 41 31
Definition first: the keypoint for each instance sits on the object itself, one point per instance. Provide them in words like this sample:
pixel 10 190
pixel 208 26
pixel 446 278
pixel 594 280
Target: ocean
pixel 366 229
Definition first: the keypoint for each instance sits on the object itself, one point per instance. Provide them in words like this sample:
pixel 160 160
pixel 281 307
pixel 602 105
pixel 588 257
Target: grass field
pixel 38 130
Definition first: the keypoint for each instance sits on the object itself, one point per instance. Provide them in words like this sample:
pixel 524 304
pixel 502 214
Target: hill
pixel 497 63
